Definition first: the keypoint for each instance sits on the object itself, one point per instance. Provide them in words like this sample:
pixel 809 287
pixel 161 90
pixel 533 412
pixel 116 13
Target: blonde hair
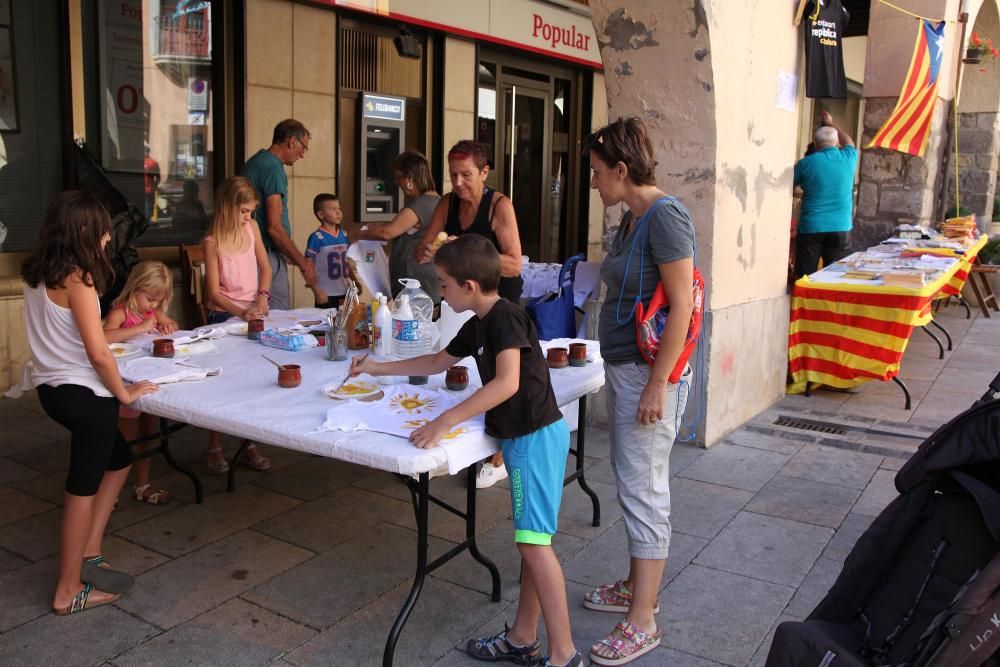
pixel 149 277
pixel 226 227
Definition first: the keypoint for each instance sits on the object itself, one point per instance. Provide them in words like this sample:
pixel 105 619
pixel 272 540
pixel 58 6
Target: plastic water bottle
pixel 411 323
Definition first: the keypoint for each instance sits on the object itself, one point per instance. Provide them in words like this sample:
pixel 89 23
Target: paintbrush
pixel 344 381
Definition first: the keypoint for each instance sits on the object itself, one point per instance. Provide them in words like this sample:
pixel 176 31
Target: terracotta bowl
pixel 558 357
pixel 457 378
pixel 254 327
pixel 290 376
pixel 163 347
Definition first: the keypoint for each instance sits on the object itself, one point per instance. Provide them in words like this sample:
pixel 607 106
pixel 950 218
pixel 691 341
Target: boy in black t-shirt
pixel 521 411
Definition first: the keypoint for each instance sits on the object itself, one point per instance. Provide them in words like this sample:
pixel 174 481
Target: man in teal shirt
pixel 266 171
pixel 827 180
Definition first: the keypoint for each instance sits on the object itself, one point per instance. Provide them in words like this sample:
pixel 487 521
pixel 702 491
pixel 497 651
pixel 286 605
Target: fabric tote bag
pixel 554 313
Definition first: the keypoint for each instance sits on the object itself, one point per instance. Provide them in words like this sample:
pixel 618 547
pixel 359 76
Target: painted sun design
pixel 414 424
pixel 413 404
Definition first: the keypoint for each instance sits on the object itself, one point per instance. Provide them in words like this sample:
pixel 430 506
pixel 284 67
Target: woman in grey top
pixel 654 244
pixel 413 175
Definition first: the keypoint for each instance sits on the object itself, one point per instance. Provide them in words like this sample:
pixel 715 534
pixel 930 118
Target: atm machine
pixel 381 128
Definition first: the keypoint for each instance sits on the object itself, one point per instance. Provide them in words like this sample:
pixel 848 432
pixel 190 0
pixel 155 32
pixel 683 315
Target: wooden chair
pixel 193 277
pixel 984 291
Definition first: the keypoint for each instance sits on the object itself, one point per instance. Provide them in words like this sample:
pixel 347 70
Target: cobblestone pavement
pixel 309 563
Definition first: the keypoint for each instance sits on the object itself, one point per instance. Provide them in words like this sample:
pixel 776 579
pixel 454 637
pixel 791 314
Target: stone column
pixel 893 185
pixel 978 145
pixel 702 75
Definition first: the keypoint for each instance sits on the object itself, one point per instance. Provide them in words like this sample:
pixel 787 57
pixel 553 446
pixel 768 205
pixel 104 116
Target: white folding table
pixel 246 401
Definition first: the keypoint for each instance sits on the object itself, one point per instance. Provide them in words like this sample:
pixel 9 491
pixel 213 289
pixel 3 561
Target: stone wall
pixel 978 145
pixel 726 151
pixel 894 185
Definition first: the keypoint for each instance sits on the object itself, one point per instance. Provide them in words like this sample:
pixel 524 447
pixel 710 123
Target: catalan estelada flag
pixel 909 125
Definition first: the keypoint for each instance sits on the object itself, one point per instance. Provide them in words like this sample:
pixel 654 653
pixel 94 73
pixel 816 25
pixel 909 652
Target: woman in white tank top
pixel 80 388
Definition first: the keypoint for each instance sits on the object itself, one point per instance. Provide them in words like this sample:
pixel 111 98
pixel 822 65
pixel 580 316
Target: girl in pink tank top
pixel 141 308
pixel 237 271
pixel 237 280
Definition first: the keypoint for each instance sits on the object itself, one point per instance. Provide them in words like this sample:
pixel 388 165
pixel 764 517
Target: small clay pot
pixel 254 327
pixel 163 347
pixel 290 376
pixel 577 354
pixel 558 357
pixel 457 378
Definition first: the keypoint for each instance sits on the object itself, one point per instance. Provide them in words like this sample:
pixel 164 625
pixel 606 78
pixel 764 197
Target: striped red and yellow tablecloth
pixel 844 335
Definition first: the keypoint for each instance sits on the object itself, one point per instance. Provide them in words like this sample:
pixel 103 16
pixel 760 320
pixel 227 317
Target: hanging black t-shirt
pixel 508 326
pixel 824 49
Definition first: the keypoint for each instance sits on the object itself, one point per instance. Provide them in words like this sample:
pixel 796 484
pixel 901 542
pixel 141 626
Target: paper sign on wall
pixel 788 91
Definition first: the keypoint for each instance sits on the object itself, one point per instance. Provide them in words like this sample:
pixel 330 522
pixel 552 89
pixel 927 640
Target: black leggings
pixel 96 445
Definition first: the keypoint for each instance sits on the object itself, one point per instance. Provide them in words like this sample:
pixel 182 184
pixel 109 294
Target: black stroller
pixel 921 587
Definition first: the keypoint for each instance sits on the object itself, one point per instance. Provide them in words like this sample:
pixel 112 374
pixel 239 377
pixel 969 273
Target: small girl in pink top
pixel 139 309
pixel 237 280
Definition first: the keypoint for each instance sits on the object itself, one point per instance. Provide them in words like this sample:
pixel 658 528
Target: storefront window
pixel 152 97
pixel 31 161
pixel 486 114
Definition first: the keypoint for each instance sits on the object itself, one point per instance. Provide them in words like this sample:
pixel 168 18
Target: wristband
pixel 264 292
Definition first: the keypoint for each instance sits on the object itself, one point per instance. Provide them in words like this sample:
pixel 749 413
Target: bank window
pixel 150 110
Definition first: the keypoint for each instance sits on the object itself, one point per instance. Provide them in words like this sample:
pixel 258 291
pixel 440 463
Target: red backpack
pixel 649 323
pixel 649 320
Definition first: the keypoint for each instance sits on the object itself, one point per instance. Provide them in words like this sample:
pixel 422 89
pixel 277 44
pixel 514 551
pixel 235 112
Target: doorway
pixel 526 117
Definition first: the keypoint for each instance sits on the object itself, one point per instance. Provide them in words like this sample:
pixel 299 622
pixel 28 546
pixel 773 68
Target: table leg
pixel 906 390
pixel 579 473
pixel 420 493
pixel 231 475
pixel 936 340
pixel 965 304
pixel 418 579
pixel 470 534
pixel 165 431
pixel 944 331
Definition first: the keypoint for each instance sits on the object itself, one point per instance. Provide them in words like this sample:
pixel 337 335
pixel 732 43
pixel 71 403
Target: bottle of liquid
pixel 381 329
pixel 411 323
pixel 373 312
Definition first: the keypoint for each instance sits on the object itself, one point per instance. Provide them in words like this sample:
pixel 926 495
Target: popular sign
pixel 554 34
pixel 535 26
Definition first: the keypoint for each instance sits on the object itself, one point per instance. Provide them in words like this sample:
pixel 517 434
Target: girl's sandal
pixel 256 461
pixel 82 602
pixel 99 574
pixel 623 645
pixel 220 467
pixel 144 494
pixel 614 597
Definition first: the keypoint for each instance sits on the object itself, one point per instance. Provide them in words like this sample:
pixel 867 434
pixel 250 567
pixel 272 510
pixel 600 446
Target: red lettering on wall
pixel 555 35
pixel 127 99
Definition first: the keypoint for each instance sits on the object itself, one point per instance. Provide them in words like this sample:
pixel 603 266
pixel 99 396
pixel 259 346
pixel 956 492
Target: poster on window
pixel 124 109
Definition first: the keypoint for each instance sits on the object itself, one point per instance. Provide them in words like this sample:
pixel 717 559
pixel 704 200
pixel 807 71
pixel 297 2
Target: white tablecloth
pixel 246 401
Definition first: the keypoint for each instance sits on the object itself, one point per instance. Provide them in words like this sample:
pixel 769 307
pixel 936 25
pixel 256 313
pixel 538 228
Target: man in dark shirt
pixel 521 411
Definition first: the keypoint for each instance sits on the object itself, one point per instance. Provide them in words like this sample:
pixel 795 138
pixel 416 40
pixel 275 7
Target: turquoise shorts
pixel 536 464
